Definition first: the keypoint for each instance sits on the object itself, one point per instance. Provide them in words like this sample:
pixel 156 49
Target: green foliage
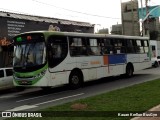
pixel 136 98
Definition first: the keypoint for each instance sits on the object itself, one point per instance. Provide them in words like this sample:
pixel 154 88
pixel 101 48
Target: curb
pixel 156 108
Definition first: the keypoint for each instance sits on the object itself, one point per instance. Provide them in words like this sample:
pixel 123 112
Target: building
pixel 103 31
pixel 130 18
pixel 12 24
pixel 117 29
pixel 153 27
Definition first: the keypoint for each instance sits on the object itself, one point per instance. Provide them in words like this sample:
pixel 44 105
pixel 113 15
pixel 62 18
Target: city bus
pixel 50 58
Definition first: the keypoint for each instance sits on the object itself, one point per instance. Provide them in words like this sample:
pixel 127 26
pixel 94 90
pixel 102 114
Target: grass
pixel 136 98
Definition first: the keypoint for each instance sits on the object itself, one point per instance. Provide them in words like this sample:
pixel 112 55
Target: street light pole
pixel 142 22
pixel 122 18
pixel 147 19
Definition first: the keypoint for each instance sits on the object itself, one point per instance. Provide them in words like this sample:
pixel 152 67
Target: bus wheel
pixel 75 80
pixel 156 64
pixel 129 71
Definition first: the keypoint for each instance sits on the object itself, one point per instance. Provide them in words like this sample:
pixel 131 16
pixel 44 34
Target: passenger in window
pixel 72 44
pixel 30 59
pixel 118 51
pixel 104 50
pixel 111 52
pixel 83 50
pixel 89 51
pixel 58 51
pixel 96 50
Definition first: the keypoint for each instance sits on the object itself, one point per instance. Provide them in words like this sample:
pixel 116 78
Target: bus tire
pixel 156 64
pixel 75 80
pixel 129 71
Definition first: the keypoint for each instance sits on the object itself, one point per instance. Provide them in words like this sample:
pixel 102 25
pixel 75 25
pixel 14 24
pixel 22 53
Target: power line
pixel 8 10
pixel 74 10
pixel 18 12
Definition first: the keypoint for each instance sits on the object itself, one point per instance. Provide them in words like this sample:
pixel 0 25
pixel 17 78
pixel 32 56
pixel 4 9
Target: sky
pixel 102 13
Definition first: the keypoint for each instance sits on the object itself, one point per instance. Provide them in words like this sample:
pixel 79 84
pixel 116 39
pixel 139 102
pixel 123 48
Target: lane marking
pixel 8 96
pixel 60 99
pixel 24 107
pixel 40 96
pixel 32 98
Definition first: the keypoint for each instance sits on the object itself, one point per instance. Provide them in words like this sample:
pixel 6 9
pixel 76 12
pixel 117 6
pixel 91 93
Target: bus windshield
pixel 29 55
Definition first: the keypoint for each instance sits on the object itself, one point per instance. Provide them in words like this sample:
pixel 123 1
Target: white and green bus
pixel 49 58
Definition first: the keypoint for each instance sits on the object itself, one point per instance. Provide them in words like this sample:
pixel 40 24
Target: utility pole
pixel 133 19
pixel 142 32
pixel 147 20
pixel 122 17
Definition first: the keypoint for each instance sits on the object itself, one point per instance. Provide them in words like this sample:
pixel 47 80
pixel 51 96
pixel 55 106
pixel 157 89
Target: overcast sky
pixel 104 13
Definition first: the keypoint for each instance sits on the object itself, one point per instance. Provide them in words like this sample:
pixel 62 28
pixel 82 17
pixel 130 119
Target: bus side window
pixel 130 46
pixel 93 47
pixel 118 48
pixel 139 48
pixel 84 47
pixel 103 48
pixel 153 49
pixel 75 43
pixel 107 47
pixel 123 47
pixel 77 46
pixel 57 50
pixel 146 49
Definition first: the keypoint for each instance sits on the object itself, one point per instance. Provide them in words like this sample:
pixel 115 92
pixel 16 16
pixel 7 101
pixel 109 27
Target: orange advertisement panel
pixel 105 60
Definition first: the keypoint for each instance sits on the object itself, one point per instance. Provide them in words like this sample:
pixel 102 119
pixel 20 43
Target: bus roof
pixel 87 35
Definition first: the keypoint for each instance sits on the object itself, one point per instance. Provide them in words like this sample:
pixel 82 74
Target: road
pixel 35 99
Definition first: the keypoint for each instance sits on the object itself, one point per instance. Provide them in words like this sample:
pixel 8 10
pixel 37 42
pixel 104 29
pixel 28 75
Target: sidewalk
pixel 156 108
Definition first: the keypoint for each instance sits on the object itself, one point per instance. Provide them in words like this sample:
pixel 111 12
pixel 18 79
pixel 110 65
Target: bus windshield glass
pixel 29 55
